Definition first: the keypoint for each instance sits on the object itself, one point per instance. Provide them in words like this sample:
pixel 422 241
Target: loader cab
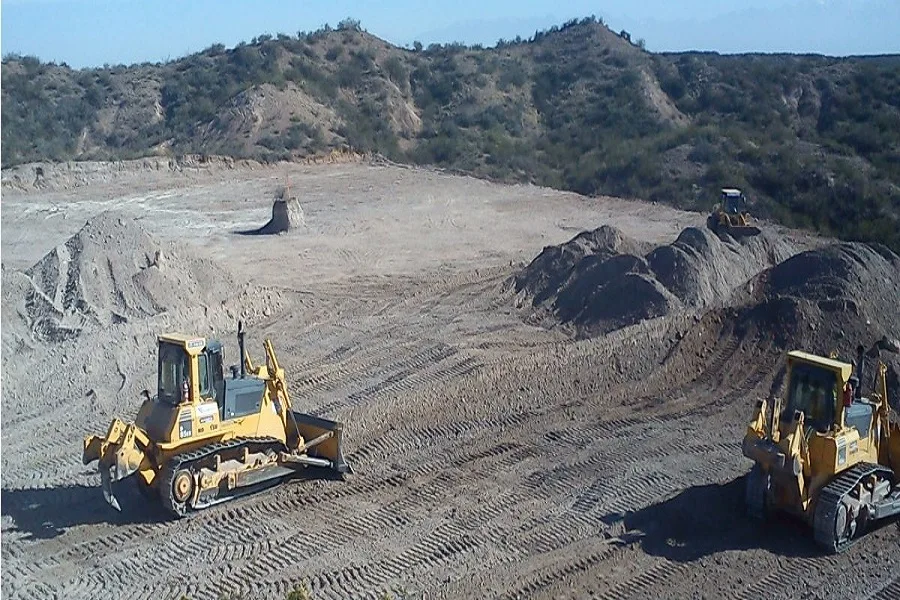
pixel 733 201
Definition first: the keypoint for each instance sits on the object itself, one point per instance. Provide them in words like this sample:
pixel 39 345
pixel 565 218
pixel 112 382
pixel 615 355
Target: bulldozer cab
pixel 816 388
pixel 812 391
pixel 191 371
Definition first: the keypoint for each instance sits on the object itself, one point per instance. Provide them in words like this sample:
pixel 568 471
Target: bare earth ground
pixel 493 459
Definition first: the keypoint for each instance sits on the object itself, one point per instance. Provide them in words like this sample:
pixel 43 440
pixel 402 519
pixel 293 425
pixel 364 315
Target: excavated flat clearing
pixel 493 459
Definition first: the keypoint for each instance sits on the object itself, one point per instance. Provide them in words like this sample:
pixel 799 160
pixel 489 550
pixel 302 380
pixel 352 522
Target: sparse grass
pixel 300 592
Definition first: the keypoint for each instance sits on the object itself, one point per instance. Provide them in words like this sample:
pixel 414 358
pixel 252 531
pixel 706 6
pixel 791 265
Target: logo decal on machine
pixel 185 423
pixel 206 413
pixel 841 451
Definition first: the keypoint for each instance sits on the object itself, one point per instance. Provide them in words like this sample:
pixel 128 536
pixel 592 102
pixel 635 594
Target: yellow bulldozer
pixel 827 454
pixel 205 438
pixel 731 216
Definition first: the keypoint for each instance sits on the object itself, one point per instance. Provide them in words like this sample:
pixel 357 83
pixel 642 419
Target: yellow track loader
pixel 731 215
pixel 827 454
pixel 205 438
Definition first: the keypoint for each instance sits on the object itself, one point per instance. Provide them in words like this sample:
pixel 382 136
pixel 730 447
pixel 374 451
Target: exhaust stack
pixel 241 349
pixel 860 365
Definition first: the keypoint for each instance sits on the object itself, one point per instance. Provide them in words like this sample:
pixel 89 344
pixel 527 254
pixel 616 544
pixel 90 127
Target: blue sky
pixel 93 32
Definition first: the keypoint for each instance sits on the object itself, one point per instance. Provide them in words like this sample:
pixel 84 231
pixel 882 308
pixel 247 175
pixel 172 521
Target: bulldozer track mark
pixel 394 442
pixel 891 591
pixel 437 547
pixel 717 360
pixel 390 516
pixel 388 376
pixel 611 496
pixel 550 532
pixel 579 437
pixel 253 508
pixel 549 578
pixel 410 380
pixel 34 589
pixel 443 544
pixel 642 585
pixel 762 587
pixel 359 358
pixel 282 501
pixel 641 494
pixel 410 370
pixel 600 464
pixel 333 376
pixel 465 533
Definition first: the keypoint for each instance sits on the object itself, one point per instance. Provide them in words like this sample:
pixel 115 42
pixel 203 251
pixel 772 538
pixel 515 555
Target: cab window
pixel 203 374
pixel 812 391
pixel 173 371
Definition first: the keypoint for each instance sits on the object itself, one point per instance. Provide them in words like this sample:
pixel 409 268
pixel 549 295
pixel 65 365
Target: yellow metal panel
pixel 192 344
pixel 844 369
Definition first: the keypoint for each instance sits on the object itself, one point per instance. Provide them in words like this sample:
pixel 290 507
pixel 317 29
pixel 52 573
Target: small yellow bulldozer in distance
pixel 827 454
pixel 205 438
pixel 731 216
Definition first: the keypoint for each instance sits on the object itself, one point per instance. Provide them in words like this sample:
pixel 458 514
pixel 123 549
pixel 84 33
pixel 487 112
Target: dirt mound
pixel 556 265
pixel 112 272
pixel 835 297
pixel 601 280
pixel 702 270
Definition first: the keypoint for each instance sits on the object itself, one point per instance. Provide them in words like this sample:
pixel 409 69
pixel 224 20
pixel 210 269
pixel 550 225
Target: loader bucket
pixel 331 449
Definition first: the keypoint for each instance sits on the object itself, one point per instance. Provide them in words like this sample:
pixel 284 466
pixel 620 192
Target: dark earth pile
pixel 602 280
pixel 834 298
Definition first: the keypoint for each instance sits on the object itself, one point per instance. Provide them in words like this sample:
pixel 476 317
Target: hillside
pixel 813 140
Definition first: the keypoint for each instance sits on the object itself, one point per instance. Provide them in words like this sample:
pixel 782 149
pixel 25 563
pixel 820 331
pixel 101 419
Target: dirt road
pixel 493 459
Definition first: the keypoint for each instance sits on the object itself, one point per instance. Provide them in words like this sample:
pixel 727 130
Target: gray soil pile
pixel 113 272
pixel 84 319
pixel 601 280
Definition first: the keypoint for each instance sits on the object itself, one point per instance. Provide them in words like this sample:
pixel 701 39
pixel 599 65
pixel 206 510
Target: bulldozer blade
pixel 743 231
pixel 329 447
